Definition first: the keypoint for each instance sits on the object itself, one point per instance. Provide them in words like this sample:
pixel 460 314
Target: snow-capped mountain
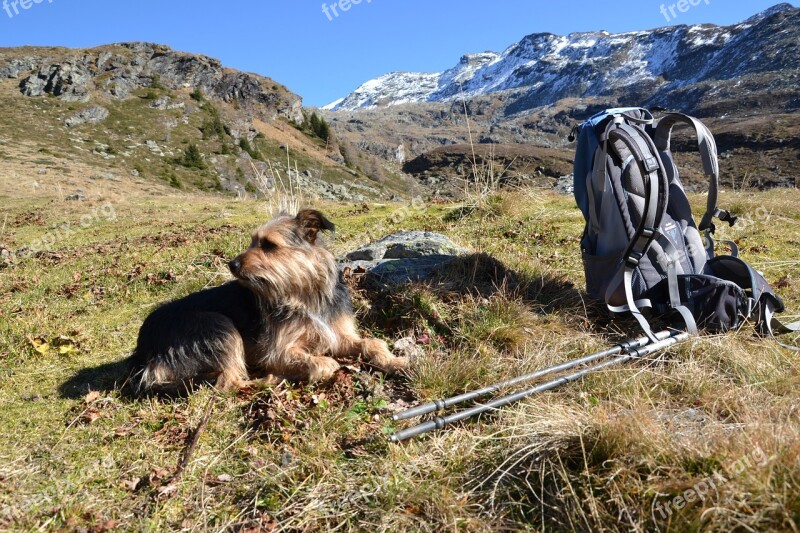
pixel 645 64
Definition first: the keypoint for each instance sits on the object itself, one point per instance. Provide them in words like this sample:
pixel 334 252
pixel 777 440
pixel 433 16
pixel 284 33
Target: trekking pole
pixel 630 354
pixel 438 405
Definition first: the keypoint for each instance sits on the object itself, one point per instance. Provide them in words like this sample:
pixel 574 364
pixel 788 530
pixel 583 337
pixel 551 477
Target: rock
pixel 164 104
pixel 403 257
pixel 400 154
pixel 153 147
pixel 13 68
pixel 90 115
pixel 33 86
pixel 406 245
pixel 408 347
pixel 565 185
pixel 69 81
pixel 104 176
pixel 77 197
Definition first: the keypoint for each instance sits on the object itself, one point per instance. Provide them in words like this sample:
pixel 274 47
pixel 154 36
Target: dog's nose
pixel 235 266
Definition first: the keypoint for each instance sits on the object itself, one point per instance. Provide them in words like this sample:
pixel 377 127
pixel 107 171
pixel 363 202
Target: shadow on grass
pixel 103 378
pixel 458 279
pixel 111 377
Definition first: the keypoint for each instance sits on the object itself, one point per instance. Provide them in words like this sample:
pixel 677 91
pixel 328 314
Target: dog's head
pixel 287 262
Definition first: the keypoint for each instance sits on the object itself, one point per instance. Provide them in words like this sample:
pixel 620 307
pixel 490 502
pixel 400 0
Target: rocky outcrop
pixel 119 70
pixel 68 80
pixel 90 115
pixel 409 256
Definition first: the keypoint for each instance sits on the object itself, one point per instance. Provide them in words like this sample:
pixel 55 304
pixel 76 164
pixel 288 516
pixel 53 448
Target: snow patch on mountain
pixel 550 67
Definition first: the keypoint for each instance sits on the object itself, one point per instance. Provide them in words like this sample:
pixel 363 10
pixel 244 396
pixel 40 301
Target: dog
pixel 287 315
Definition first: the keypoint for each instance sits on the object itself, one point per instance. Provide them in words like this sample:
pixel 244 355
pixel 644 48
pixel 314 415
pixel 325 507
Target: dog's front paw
pixel 321 368
pixel 399 363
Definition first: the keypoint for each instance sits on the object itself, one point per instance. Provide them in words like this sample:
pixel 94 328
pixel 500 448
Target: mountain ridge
pixel 545 67
pixel 136 109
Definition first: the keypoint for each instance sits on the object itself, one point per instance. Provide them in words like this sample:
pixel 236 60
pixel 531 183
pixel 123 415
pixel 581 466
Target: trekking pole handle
pixel 439 405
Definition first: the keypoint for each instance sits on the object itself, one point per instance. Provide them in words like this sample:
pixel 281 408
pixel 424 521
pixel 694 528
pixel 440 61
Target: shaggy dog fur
pixel 286 316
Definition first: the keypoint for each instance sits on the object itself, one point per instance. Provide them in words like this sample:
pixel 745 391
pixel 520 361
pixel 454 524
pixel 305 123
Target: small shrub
pixel 193 158
pixel 155 82
pixel 245 145
pixel 213 127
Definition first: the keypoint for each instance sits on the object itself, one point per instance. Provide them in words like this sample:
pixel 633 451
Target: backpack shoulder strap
pixel 708 153
pixel 649 167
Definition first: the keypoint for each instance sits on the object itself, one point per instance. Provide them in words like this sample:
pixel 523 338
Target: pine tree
pixel 193 158
pixel 324 130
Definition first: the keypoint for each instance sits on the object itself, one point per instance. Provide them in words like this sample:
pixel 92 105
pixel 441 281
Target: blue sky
pixel 322 57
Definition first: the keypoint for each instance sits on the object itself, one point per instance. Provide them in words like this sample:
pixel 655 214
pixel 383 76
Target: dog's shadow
pixel 103 378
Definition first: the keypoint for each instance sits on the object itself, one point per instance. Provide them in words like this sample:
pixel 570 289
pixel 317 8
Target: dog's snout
pixel 235 266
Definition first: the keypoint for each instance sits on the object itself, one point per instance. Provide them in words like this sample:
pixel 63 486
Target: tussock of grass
pixel 600 454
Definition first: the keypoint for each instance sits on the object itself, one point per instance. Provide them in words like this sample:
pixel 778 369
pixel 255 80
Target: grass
pixel 600 454
pixel 118 144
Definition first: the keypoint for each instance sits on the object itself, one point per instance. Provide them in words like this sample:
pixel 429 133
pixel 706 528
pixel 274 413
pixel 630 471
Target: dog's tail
pixel 146 376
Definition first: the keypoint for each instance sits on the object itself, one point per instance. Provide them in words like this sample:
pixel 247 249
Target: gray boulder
pixel 164 103
pixel 15 67
pixel 90 115
pixel 409 256
pixel 564 185
pixel 69 81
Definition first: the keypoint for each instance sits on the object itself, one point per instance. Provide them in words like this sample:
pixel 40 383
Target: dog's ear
pixel 311 222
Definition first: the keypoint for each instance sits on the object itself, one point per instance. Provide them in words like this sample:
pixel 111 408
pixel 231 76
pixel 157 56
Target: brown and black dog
pixel 287 315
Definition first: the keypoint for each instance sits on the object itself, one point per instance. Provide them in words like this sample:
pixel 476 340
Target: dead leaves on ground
pixel 93 408
pixel 58 345
pixel 359 400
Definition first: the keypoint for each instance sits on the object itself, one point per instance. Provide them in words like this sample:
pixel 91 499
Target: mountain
pixel 652 65
pixel 143 115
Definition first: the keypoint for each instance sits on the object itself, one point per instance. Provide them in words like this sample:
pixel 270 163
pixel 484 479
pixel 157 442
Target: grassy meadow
pixel 711 427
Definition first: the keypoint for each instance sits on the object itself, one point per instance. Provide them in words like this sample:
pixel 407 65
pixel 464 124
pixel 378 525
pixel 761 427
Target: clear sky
pixel 323 57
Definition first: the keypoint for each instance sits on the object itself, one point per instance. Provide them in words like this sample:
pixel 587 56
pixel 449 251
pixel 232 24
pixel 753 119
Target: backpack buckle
pixel 574 133
pixel 726 216
pixel 633 259
pixel 651 164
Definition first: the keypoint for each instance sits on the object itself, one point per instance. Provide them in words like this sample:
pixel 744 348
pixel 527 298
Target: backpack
pixel 642 250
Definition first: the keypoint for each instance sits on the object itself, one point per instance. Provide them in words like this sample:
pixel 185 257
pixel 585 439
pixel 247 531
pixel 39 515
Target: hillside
pixel 121 118
pixel 127 180
pixel 602 454
pixel 742 80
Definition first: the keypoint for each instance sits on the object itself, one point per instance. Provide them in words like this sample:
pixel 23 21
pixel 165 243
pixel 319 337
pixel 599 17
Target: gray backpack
pixel 643 253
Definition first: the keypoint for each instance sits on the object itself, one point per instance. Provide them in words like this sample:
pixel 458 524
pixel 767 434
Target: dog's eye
pixel 268 245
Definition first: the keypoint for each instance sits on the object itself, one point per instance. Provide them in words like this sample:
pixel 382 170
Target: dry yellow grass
pixel 604 454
